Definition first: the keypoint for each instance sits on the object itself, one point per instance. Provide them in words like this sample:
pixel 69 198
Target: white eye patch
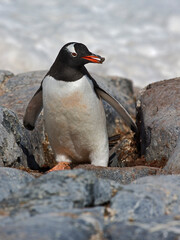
pixel 71 48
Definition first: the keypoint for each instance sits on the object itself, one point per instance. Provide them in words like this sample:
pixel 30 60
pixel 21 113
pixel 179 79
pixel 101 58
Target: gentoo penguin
pixel 73 111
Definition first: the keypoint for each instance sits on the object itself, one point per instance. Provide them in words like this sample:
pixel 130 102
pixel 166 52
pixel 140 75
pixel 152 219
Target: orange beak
pixel 94 58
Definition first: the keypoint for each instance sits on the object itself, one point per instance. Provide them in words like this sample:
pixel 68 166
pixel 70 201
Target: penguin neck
pixel 63 72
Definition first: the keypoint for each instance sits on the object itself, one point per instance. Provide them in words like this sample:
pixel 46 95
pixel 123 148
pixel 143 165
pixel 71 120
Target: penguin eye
pixel 74 54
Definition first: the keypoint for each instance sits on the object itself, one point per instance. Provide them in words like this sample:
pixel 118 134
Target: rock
pixel 147 199
pixel 88 223
pixel 159 119
pixel 72 225
pixel 75 203
pixel 11 180
pixel 15 147
pixel 104 190
pixel 173 164
pixel 19 89
pixel 166 227
pixel 122 175
pixel 16 93
pixel 4 77
pixel 58 191
pixel 123 85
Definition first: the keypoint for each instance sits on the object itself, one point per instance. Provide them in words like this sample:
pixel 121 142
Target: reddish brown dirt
pixel 128 153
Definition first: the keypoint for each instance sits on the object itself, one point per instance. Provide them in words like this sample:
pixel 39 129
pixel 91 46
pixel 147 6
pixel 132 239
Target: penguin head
pixel 77 54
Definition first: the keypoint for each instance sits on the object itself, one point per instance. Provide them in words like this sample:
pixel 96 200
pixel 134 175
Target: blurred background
pixel 140 39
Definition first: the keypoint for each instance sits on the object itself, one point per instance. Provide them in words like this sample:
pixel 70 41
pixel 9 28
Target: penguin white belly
pixel 75 121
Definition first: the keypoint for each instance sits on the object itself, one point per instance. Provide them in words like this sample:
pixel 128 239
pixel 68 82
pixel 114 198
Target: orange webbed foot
pixel 61 166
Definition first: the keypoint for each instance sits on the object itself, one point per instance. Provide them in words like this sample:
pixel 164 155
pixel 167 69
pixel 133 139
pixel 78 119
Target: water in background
pixel 140 39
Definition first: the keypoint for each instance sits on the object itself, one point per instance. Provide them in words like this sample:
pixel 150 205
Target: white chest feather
pixel 74 118
pixel 70 98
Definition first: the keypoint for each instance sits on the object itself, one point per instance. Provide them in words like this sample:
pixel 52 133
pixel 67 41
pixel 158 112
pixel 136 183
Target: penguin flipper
pixel 118 107
pixel 33 110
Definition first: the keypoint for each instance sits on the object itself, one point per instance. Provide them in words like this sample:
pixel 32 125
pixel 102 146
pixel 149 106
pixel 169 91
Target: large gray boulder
pixel 146 209
pixel 17 90
pixel 159 119
pixel 146 199
pixel 76 204
pixel 16 149
pixel 63 225
pixel 12 180
pixel 163 228
pixel 4 77
pixel 60 190
pixel 173 164
pixel 14 94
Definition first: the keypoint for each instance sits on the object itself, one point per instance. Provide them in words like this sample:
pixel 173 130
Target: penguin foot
pixel 61 166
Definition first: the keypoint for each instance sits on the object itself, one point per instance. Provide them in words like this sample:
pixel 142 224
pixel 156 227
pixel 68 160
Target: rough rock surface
pixel 147 198
pixel 70 224
pixel 4 77
pixel 173 164
pixel 159 119
pixel 15 147
pixel 162 228
pixel 61 190
pixel 146 209
pixel 15 92
pixel 11 180
pixel 123 175
pixel 18 90
pixel 75 204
